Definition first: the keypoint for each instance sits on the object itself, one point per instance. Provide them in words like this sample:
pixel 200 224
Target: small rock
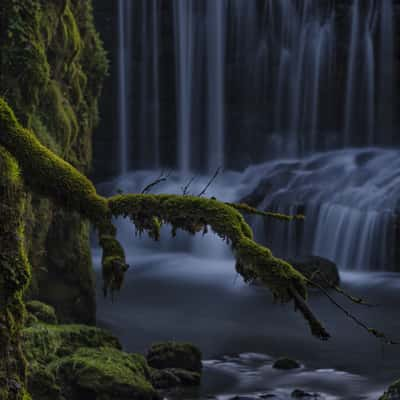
pixel 286 363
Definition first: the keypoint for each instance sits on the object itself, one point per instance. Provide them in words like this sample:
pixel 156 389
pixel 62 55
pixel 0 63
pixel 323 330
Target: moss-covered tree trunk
pixel 14 277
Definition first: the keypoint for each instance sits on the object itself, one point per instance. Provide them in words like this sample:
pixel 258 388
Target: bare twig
pixel 356 300
pixel 216 173
pixel 185 189
pixel 245 208
pixel 338 289
pixel 160 179
pixel 372 331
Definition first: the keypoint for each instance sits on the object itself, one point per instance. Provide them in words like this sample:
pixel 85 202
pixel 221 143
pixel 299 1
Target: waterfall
pixel 216 83
pixel 350 199
pixel 185 37
pixel 204 84
pixel 124 65
pixel 248 80
pixel 386 62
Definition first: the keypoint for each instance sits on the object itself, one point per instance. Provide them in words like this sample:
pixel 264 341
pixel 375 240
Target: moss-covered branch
pixel 49 175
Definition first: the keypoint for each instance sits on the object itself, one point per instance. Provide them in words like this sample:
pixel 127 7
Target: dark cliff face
pixel 51 73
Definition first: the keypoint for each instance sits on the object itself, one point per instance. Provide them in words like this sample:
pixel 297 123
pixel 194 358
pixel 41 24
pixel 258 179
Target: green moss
pixel 105 374
pixel 113 264
pixel 194 214
pixel 45 172
pixel 14 277
pixel 47 51
pixel 46 343
pixel 77 361
pixel 43 312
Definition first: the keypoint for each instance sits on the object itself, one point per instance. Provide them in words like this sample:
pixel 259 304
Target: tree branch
pixel 47 174
pixel 246 209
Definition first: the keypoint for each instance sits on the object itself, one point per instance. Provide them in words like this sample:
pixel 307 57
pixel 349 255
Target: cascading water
pixel 351 202
pixel 216 15
pixel 184 31
pixel 245 81
pixel 124 64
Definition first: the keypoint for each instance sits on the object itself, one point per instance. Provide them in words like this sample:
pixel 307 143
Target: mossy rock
pixel 286 364
pixel 168 355
pixel 43 312
pixel 104 374
pixel 45 343
pixel 393 393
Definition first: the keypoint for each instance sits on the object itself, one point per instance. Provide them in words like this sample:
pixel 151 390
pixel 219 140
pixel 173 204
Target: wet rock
pixel 286 364
pixel 393 393
pixel 320 270
pixel 183 356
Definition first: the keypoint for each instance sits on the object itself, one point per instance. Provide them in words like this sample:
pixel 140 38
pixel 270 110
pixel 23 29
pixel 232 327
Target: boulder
pixel 320 270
